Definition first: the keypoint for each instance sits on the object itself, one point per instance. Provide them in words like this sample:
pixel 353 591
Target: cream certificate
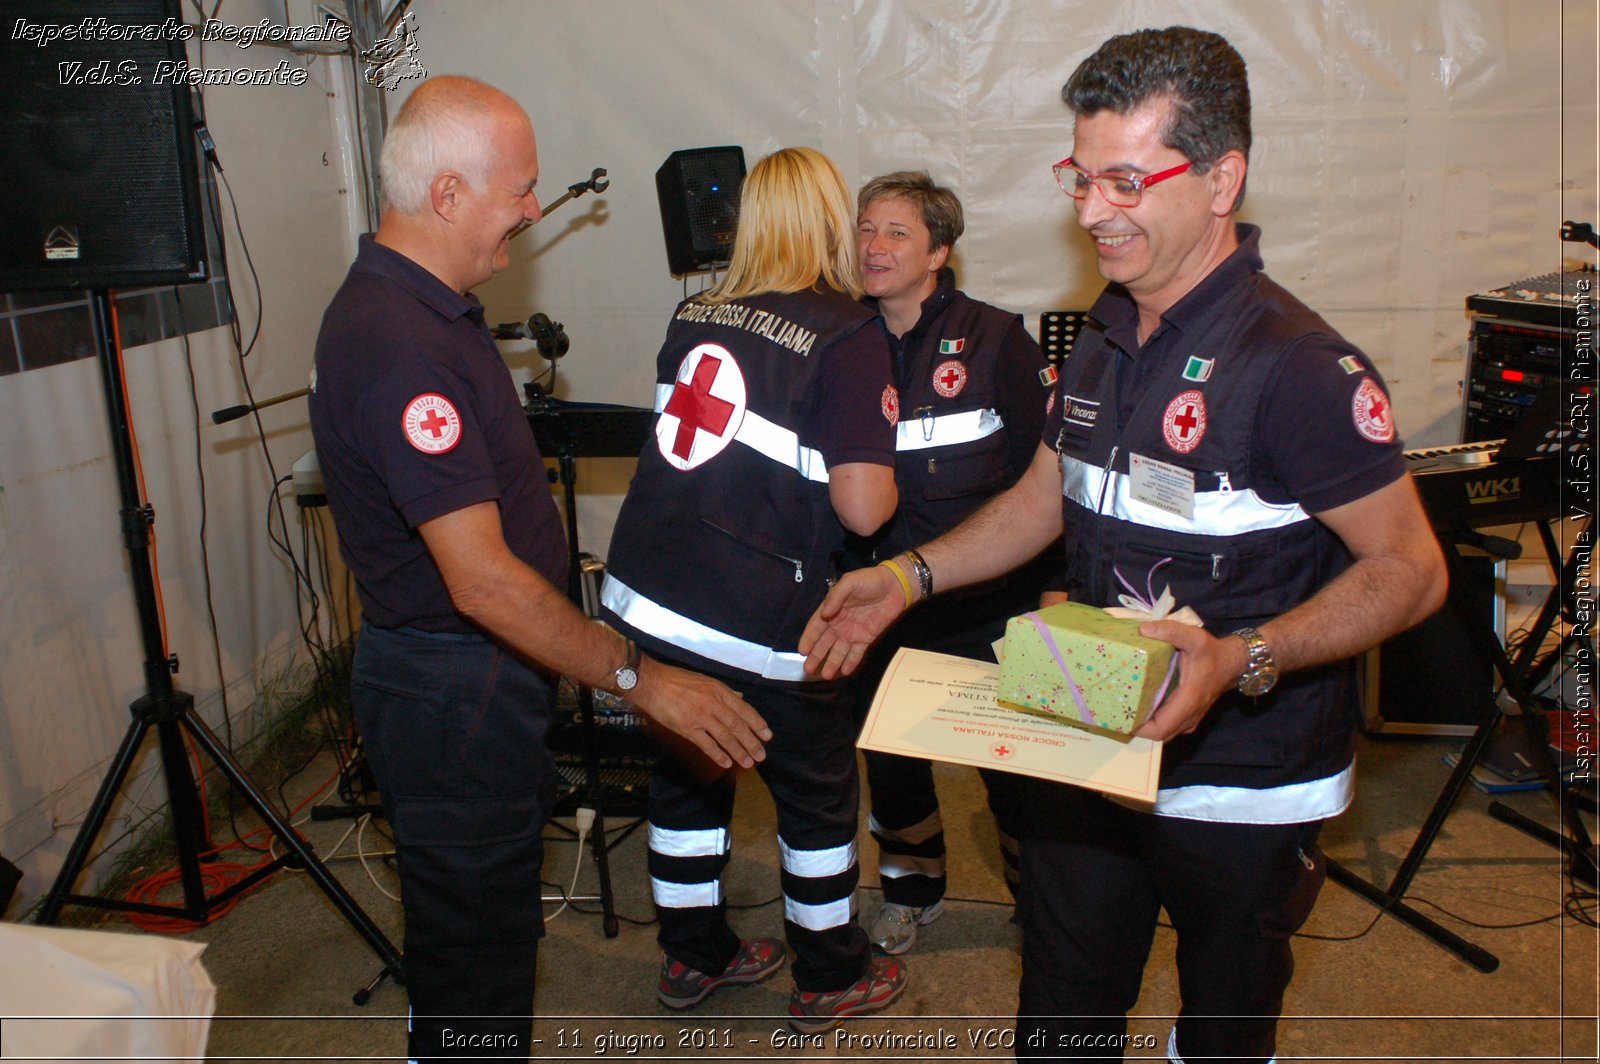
pixel 942 708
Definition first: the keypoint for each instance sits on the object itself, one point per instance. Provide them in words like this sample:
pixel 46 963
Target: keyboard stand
pixel 1579 847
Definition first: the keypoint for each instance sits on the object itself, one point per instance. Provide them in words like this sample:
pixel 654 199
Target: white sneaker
pixel 895 929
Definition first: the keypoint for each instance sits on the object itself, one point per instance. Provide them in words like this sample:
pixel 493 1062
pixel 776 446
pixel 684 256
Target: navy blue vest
pixel 1239 560
pixel 720 556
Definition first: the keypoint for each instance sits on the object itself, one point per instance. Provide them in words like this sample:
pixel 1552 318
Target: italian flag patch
pixel 952 347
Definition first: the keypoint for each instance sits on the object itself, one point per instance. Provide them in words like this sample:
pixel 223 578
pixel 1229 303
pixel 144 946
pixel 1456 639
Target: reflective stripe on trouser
pixel 810 770
pixel 908 829
pixel 906 824
pixel 1007 801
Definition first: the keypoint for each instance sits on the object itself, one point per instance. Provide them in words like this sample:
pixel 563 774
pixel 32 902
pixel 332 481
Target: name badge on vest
pixel 1077 424
pixel 1162 485
pixel 1081 412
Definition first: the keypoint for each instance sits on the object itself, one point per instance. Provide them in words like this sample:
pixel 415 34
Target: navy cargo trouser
pixel 1095 875
pixel 811 772
pixel 454 729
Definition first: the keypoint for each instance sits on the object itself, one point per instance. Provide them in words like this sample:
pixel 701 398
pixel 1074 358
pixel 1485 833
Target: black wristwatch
pixel 1261 674
pixel 627 675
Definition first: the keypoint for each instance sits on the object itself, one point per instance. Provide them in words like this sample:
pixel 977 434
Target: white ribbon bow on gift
pixel 1151 607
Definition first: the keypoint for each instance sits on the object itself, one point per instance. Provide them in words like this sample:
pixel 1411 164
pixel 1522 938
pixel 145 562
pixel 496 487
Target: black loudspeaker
pixel 1058 331
pixel 699 193
pixel 98 141
pixel 1428 680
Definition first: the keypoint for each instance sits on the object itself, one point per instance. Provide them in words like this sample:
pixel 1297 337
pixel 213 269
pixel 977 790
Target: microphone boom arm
pixel 597 184
pixel 233 413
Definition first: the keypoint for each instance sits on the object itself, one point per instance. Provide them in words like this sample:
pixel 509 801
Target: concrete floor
pixel 286 965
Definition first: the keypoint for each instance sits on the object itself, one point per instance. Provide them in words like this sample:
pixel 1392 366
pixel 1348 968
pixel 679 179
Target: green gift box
pixel 1079 664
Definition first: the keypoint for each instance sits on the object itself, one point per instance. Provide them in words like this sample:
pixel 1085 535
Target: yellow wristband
pixel 900 575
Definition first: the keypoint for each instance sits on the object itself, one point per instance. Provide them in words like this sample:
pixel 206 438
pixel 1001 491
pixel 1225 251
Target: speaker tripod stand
pixel 170 713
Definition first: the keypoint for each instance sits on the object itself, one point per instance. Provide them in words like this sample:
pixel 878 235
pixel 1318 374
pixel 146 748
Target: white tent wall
pixel 1407 154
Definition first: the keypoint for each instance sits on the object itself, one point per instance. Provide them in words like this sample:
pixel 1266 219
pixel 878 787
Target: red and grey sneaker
pixel 681 986
pixel 813 1013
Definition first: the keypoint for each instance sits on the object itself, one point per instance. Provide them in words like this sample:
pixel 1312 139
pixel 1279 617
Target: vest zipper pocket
pixel 799 566
pixel 1202 557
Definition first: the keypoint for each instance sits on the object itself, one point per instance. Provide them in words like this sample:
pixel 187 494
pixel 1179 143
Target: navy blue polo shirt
pixel 415 417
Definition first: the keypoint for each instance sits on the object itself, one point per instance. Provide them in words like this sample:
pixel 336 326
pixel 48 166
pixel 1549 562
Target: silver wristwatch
pixel 1260 675
pixel 627 675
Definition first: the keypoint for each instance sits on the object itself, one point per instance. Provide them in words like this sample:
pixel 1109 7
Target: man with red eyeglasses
pixel 1210 423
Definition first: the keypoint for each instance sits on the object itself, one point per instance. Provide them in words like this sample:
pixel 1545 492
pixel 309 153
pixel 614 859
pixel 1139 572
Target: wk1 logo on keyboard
pixel 1494 489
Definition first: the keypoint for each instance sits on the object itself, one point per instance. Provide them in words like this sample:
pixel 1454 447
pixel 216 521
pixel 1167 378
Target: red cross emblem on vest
pixel 950 378
pixel 1370 410
pixel 705 408
pixel 1184 423
pixel 431 424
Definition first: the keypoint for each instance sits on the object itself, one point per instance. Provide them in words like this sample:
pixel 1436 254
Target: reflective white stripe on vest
pixel 697 638
pixel 1293 803
pixel 815 864
pixel 670 895
pixel 820 917
pixel 1216 513
pixel 919 433
pixel 706 842
pixel 768 438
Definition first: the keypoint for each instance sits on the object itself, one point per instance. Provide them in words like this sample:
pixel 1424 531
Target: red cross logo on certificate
pixel 1370 411
pixel 1184 423
pixel 705 408
pixel 950 378
pixel 1003 751
pixel 431 424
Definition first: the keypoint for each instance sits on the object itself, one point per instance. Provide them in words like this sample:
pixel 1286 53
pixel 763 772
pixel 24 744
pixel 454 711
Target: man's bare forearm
pixel 1369 602
pixel 1398 580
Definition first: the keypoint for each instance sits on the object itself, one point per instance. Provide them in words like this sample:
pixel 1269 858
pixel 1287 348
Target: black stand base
pixel 1582 861
pixel 1476 956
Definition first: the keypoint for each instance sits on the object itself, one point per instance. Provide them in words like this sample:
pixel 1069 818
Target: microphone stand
pixel 234 413
pixel 566 432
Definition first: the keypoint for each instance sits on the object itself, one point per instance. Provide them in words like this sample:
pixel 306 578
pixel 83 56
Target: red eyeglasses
pixel 1119 190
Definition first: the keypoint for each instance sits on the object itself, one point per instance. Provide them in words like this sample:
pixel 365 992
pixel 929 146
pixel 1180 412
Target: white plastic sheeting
pixel 1408 153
